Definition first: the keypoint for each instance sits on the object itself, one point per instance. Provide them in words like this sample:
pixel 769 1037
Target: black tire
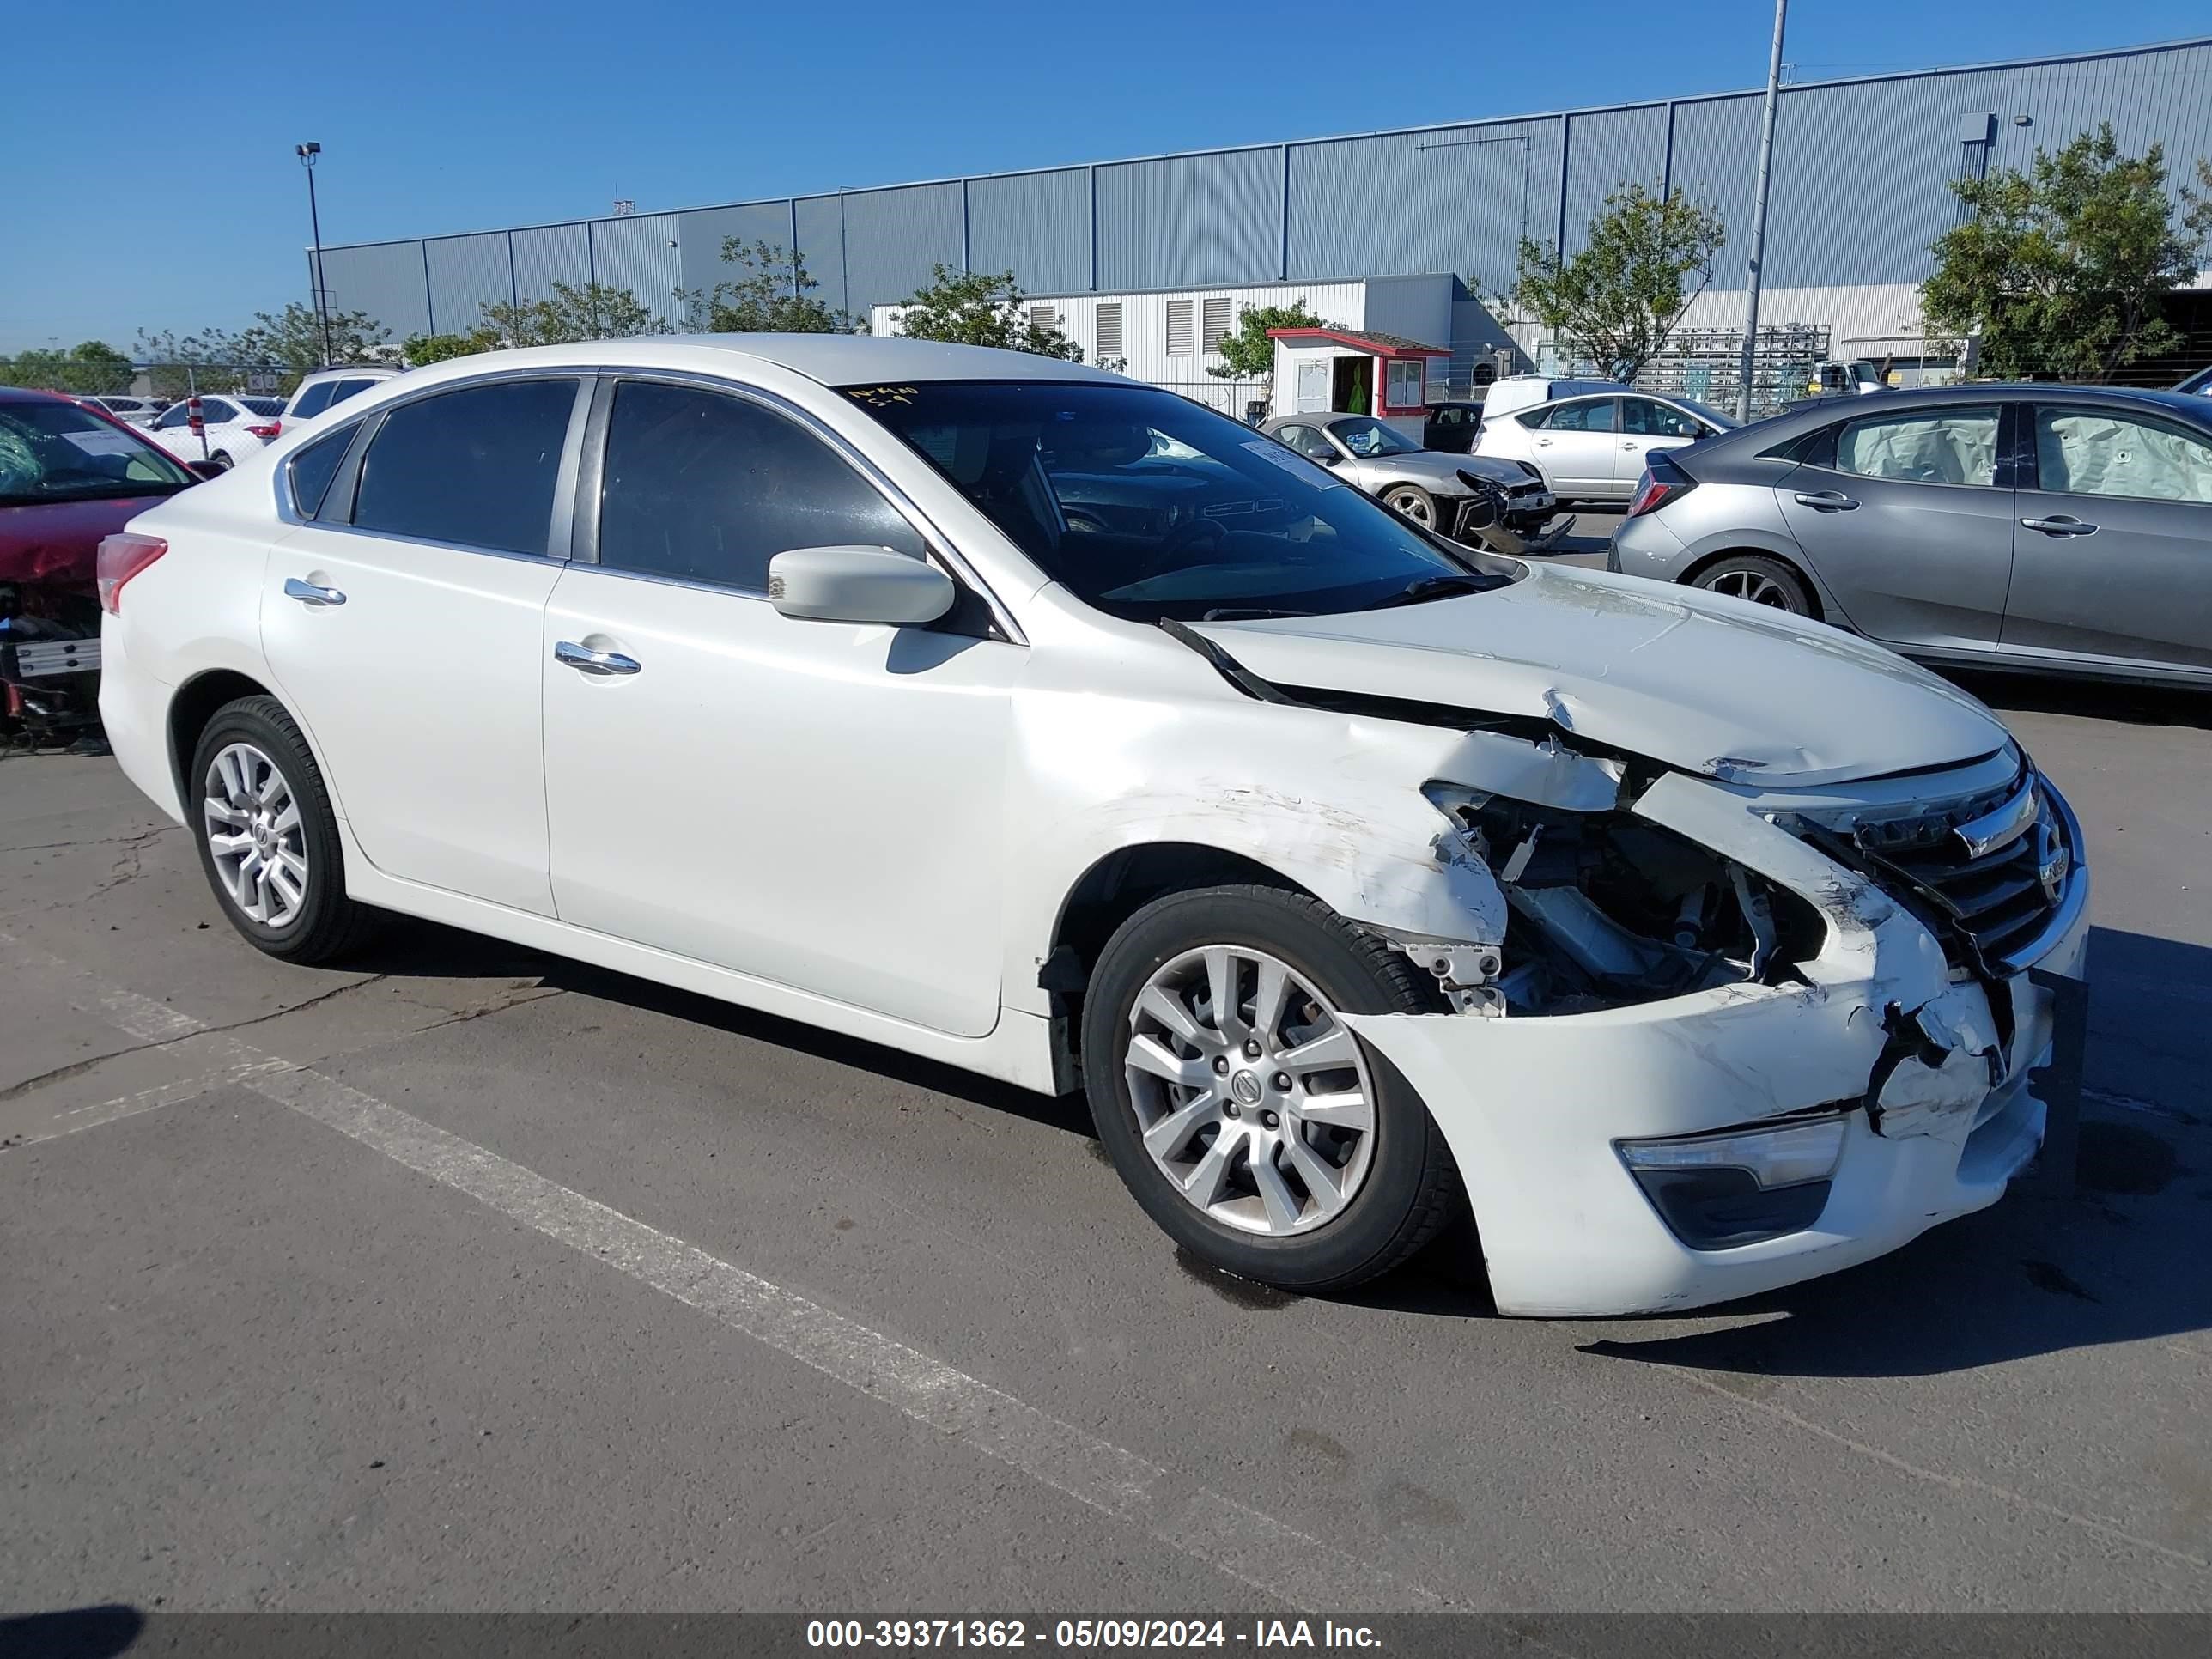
pixel 1412 1188
pixel 1415 503
pixel 327 924
pixel 1762 580
pixel 221 458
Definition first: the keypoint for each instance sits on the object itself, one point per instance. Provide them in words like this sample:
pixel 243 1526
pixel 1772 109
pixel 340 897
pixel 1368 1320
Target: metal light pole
pixel 1759 216
pixel 307 153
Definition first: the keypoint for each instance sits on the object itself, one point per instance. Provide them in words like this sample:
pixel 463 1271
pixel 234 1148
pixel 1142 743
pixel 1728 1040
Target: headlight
pixel 1716 1192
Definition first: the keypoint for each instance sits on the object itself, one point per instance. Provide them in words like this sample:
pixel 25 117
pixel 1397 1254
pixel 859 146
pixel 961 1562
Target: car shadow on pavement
pixel 2099 699
pixel 94 1632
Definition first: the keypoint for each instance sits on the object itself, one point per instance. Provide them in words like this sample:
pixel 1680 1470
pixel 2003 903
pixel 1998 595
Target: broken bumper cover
pixel 1537 1110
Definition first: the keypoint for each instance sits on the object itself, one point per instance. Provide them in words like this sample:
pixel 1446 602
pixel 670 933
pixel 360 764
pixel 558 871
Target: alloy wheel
pixel 255 835
pixel 1414 504
pixel 1251 1094
pixel 1753 585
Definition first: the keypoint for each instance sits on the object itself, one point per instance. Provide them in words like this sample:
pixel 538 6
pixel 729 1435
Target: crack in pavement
pixel 79 1068
pixel 97 841
pixel 129 867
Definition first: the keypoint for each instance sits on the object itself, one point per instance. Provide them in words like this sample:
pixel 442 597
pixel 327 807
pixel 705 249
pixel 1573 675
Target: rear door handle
pixel 308 593
pixel 593 662
pixel 1827 500
pixel 2061 525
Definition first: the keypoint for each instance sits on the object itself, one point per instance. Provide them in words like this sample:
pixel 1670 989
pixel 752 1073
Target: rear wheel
pixel 1415 503
pixel 268 839
pixel 221 458
pixel 1237 1105
pixel 1762 580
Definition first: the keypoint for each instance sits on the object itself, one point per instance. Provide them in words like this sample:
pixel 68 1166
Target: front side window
pixel 708 488
pixel 1148 506
pixel 1946 446
pixel 175 416
pixel 56 452
pixel 1308 442
pixel 1365 436
pixel 1657 420
pixel 476 467
pixel 2085 452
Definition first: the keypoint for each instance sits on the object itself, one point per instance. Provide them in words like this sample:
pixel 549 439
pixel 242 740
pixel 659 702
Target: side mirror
pixel 858 584
pixel 206 469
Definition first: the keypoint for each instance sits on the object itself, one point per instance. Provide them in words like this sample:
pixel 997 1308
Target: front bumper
pixel 1534 1108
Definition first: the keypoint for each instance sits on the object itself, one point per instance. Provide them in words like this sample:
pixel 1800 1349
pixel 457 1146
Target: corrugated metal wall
pixel 1860 187
pixel 1035 224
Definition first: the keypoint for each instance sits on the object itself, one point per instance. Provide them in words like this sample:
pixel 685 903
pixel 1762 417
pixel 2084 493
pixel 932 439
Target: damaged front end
pixel 1609 909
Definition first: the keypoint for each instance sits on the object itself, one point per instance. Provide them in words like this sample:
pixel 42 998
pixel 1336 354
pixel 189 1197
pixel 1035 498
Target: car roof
pixel 832 359
pixel 1817 412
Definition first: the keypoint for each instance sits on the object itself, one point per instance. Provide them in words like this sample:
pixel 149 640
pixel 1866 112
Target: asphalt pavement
pixel 464 1279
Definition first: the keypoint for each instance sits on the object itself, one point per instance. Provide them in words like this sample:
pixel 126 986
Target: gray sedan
pixel 1424 484
pixel 2063 529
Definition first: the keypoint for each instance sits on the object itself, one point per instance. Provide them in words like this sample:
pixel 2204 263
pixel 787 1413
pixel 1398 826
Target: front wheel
pixel 1416 504
pixel 1237 1105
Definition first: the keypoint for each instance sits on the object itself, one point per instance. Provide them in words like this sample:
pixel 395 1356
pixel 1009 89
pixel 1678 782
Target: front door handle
pixel 1827 500
pixel 1543 443
pixel 1631 444
pixel 593 662
pixel 308 593
pixel 2063 525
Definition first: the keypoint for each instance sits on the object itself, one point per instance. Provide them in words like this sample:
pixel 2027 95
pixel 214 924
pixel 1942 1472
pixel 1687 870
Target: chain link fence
pixel 1239 399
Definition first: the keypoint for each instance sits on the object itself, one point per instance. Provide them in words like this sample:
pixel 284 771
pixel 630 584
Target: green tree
pixel 2061 269
pixel 1246 353
pixel 176 363
pixel 774 296
pixel 982 308
pixel 420 348
pixel 92 366
pixel 596 311
pixel 1617 301
pixel 292 342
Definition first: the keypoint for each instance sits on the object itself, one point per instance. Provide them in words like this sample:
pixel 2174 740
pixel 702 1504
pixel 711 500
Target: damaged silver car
pixel 1060 728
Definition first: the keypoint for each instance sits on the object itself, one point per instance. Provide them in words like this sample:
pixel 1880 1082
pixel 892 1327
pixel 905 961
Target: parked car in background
pixel 1450 427
pixel 1360 880
pixel 138 411
pixel 1424 484
pixel 69 475
pixel 235 426
pixel 2058 528
pixel 326 388
pixel 1592 447
pixel 1515 392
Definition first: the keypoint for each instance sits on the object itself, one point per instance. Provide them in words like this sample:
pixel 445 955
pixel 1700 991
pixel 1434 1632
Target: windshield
pixel 56 452
pixel 1149 506
pixel 1365 436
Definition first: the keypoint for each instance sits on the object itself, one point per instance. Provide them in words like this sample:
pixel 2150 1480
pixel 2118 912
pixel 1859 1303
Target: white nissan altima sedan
pixel 1009 713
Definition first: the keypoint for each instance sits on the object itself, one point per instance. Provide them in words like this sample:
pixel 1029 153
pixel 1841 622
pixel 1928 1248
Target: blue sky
pixel 155 185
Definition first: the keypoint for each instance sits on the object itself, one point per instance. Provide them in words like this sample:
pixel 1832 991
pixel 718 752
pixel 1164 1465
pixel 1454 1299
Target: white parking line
pixel 1232 1538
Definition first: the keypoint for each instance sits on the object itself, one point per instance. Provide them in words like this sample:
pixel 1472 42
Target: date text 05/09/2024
pixel 1260 1635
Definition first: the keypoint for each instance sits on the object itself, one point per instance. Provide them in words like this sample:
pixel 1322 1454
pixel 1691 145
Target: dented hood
pixel 1705 683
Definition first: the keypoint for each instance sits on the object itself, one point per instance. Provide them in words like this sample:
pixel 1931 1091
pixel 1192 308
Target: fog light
pixel 1718 1191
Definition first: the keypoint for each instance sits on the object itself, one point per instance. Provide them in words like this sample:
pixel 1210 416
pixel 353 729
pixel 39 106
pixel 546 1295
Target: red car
pixel 68 475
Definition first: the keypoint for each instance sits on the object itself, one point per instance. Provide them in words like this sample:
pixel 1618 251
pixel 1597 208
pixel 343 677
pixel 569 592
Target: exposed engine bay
pixel 49 664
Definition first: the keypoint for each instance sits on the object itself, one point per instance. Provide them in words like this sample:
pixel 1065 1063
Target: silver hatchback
pixel 2065 529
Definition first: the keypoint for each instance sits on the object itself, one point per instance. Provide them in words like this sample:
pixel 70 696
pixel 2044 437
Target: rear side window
pixel 475 466
pixel 215 412
pixel 1946 446
pixel 315 400
pixel 1595 416
pixel 345 389
pixel 708 487
pixel 309 472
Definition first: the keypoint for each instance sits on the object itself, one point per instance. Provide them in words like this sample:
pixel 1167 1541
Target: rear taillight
pixel 1662 482
pixel 122 556
pixel 266 433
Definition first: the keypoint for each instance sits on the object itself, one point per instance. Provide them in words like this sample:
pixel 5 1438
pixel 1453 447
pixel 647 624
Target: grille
pixel 1986 874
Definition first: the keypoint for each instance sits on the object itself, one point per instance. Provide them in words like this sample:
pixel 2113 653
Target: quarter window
pixel 2084 451
pixel 708 487
pixel 311 469
pixel 475 466
pixel 1947 445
